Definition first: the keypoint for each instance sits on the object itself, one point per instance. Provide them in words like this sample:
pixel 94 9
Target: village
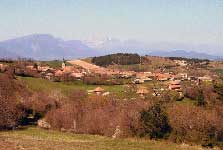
pixel 153 83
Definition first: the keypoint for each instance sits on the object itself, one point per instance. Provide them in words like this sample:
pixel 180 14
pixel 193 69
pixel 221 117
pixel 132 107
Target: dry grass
pixel 37 139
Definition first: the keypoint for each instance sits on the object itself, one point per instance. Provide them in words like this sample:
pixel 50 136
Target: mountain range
pixel 186 54
pixel 44 47
pixel 47 47
pixel 114 45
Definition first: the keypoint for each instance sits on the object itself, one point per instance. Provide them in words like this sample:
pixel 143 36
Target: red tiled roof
pixel 98 89
pixel 172 87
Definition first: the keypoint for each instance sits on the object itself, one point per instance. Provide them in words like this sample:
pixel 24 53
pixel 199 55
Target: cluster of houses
pixel 182 63
pixel 142 77
pixel 173 80
pixel 50 73
pixel 74 73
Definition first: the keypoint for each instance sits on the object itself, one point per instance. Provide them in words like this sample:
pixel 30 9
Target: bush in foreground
pixel 98 115
pixel 155 122
pixel 10 111
pixel 195 124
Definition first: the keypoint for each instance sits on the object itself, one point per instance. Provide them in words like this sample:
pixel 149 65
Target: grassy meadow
pixel 37 84
pixel 32 138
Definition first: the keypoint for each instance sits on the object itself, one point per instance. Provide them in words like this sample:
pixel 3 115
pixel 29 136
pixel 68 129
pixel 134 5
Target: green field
pixel 220 71
pixel 187 101
pixel 37 84
pixel 33 138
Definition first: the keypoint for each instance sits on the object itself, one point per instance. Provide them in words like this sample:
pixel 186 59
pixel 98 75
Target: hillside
pixel 119 58
pixel 88 66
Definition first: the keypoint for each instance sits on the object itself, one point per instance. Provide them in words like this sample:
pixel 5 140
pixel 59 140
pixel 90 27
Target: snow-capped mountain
pixel 113 45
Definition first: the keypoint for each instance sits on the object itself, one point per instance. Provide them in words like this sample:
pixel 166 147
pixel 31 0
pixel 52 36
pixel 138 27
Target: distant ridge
pixel 47 47
pixel 186 54
pixel 44 47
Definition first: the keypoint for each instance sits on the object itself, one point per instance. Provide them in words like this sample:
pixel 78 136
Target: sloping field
pixel 89 66
pixel 33 138
pixel 37 84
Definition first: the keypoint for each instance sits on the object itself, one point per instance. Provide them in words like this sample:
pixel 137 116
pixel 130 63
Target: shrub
pixel 191 92
pixel 63 117
pixel 18 105
pixel 211 97
pixel 199 94
pixel 195 124
pixel 37 106
pixel 10 111
pixel 218 88
pixel 98 115
pixel 200 98
pixel 171 96
pixel 155 122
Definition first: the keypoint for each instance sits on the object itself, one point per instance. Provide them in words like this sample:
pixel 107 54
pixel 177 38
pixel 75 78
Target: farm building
pixel 175 85
pixel 97 90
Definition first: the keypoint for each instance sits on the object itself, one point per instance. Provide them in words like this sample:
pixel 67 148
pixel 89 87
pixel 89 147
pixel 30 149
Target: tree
pixel 200 98
pixel 155 122
pixel 35 66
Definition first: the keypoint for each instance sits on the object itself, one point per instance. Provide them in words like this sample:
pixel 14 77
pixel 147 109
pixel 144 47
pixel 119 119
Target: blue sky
pixel 195 22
